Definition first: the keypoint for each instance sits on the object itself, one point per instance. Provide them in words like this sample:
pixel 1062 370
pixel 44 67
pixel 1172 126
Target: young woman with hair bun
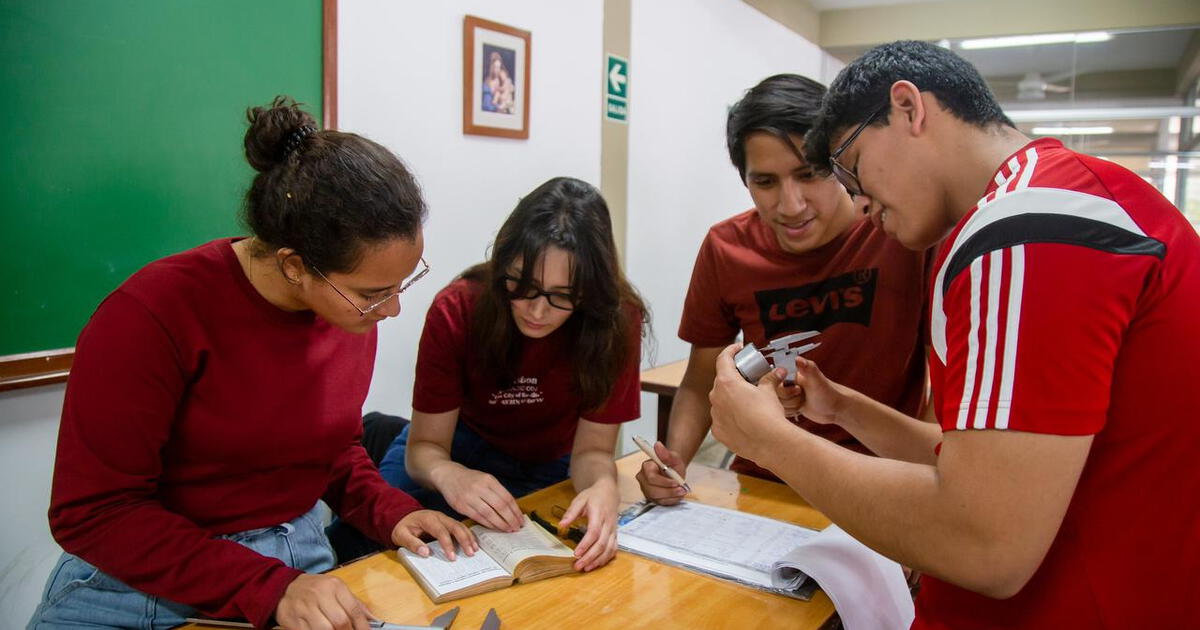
pixel 216 397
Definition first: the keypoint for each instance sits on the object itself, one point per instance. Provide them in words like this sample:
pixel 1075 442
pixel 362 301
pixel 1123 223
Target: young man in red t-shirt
pixel 804 258
pixel 1059 491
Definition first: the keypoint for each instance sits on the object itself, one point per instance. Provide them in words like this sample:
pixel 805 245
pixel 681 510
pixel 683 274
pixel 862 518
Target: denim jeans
pixel 78 595
pixel 469 449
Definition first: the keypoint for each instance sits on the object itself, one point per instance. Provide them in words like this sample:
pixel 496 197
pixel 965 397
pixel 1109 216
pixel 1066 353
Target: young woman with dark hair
pixel 216 397
pixel 528 364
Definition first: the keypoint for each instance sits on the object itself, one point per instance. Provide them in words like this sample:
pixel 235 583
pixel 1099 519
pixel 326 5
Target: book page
pixel 722 542
pixel 444 576
pixel 529 541
pixel 868 590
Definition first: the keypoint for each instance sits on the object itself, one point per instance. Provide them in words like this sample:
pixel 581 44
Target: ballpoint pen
pixel 667 470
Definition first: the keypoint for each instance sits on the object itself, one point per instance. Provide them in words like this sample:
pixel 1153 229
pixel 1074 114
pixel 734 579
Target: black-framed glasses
pixel 362 312
pixel 847 177
pixel 561 301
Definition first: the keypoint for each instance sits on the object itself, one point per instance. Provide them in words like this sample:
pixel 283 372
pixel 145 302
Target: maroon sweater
pixel 196 408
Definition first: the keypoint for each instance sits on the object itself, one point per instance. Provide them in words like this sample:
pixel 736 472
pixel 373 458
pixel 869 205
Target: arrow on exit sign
pixel 618 76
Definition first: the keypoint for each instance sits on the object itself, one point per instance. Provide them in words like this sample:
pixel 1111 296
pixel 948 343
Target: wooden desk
pixel 630 592
pixel 664 380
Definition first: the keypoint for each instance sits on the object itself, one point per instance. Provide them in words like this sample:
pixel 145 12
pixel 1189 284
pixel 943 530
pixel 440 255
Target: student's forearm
pixel 690 421
pixel 691 412
pixel 591 467
pixel 900 509
pixel 887 432
pixel 429 463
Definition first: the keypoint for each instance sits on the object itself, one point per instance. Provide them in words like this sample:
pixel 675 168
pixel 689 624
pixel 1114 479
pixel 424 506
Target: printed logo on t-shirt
pixel 524 391
pixel 846 298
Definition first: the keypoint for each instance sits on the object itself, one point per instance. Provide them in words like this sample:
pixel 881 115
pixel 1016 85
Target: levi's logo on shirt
pixel 846 298
pixel 525 391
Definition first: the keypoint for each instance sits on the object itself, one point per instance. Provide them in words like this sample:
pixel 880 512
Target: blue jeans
pixel 469 449
pixel 78 595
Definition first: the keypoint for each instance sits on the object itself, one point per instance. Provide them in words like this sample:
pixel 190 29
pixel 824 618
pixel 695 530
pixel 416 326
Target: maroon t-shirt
pixel 532 419
pixel 196 408
pixel 862 290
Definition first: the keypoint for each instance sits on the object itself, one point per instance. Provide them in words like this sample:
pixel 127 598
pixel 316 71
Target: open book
pixel 527 555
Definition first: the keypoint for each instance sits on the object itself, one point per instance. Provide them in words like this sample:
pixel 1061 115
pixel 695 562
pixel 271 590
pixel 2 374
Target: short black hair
pixel 863 87
pixel 781 105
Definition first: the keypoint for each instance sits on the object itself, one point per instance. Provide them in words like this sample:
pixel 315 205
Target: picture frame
pixel 496 63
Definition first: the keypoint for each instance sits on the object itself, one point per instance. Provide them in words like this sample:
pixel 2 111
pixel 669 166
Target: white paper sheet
pixel 868 590
pixel 722 542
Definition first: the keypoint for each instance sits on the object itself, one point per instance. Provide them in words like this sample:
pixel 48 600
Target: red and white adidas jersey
pixel 1067 302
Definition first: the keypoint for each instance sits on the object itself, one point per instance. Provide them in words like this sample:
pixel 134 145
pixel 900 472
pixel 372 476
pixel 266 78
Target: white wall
pixel 400 83
pixel 28 431
pixel 689 61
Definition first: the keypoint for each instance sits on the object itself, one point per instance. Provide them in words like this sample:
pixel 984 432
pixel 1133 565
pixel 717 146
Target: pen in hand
pixel 667 470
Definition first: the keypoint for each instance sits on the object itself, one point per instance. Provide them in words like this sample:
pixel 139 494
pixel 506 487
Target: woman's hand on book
pixel 321 601
pixel 599 504
pixel 407 533
pixel 480 497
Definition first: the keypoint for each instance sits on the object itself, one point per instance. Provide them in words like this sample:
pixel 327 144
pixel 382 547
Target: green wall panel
pixel 121 126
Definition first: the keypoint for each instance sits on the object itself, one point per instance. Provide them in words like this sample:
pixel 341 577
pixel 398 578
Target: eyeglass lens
pixel 563 301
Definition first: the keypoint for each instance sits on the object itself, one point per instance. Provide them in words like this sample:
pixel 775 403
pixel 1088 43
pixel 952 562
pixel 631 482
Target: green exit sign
pixel 616 80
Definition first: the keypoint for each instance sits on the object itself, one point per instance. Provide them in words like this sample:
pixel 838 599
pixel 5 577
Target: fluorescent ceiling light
pixel 1166 165
pixel 1099 113
pixel 1071 131
pixel 1035 40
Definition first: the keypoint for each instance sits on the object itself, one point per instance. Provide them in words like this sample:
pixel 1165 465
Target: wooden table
pixel 664 380
pixel 630 592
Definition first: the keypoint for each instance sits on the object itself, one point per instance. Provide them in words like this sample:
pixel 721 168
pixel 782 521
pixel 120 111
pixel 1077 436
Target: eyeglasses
pixel 847 177
pixel 561 301
pixel 374 305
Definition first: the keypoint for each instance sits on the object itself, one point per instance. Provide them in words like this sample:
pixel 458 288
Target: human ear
pixel 290 265
pixel 906 99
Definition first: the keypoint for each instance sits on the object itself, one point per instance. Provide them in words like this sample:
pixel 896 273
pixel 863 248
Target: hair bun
pixel 275 131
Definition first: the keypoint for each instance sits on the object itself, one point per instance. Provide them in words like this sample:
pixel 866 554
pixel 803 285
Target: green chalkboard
pixel 121 125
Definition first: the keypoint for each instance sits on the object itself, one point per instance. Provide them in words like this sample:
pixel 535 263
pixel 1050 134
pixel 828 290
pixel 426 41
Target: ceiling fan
pixel 1034 87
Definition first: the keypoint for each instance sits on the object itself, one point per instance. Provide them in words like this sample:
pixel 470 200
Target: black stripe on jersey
pixel 1050 228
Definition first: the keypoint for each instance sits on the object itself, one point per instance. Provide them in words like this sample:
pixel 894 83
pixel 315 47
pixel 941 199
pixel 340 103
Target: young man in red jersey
pixel 1059 490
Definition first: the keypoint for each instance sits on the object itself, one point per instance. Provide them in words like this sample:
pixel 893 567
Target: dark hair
pixel 864 86
pixel 326 194
pixel 781 105
pixel 569 214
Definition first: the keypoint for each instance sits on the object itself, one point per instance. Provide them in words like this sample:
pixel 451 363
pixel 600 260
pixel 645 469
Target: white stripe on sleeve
pixel 987 376
pixel 964 406
pixel 1012 326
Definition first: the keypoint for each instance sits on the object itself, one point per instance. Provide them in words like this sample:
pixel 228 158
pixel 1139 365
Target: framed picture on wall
pixel 495 79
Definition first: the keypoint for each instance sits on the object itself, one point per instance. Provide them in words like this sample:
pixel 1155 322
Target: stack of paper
pixel 867 589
